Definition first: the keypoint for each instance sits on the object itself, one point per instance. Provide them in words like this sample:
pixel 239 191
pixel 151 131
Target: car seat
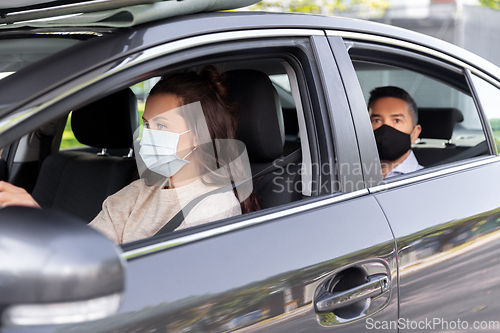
pixel 437 123
pixel 78 182
pixel 261 129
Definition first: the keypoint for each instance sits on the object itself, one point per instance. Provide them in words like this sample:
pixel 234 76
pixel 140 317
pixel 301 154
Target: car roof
pixel 104 13
pixel 124 42
pixel 217 22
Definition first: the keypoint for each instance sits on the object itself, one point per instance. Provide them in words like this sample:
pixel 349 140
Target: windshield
pixel 21 52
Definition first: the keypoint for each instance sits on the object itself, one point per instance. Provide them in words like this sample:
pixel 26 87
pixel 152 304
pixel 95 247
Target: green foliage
pixel 68 138
pixel 325 7
pixel 495 4
pixel 495 127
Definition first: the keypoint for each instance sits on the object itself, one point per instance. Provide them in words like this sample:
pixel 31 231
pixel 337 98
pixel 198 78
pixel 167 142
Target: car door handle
pixel 376 285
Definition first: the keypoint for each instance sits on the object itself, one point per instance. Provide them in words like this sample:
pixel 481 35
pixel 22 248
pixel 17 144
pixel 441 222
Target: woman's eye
pixel 160 126
pixel 146 125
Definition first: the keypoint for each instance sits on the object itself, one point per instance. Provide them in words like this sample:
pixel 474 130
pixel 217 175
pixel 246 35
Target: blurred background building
pixel 471 24
pixel 462 22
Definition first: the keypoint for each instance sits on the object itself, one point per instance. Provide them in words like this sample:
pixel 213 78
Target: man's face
pixel 394 112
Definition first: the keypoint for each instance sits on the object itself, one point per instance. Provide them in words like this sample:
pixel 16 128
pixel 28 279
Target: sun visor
pixel 72 16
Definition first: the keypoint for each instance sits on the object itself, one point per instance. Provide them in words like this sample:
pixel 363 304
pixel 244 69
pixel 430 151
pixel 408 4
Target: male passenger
pixel 394 117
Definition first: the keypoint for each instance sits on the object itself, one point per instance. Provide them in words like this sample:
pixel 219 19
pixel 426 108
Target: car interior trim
pixel 304 137
pixel 16 117
pixel 412 46
pixel 239 225
pixel 438 173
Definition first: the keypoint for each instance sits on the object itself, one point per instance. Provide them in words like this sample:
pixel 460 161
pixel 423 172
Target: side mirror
pixel 54 269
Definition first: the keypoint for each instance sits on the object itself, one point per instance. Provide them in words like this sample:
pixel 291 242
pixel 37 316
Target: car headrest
pixel 107 123
pixel 260 124
pixel 438 123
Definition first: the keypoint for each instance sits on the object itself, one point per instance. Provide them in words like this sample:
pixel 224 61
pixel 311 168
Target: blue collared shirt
pixel 410 164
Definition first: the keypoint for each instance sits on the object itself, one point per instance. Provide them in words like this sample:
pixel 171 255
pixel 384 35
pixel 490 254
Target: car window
pixel 275 176
pixel 489 95
pixel 92 169
pixel 449 119
pixel 245 82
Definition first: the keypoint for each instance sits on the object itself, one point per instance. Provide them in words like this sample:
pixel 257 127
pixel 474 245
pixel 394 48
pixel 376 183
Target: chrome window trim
pixel 182 44
pixel 70 33
pixel 139 57
pixel 384 187
pixel 239 225
pixel 412 46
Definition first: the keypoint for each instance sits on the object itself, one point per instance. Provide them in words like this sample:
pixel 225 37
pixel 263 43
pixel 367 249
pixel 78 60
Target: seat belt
pixel 177 219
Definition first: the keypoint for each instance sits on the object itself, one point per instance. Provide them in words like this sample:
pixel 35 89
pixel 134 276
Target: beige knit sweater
pixel 138 211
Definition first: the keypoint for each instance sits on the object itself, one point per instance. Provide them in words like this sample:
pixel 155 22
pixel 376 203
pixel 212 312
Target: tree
pixel 365 8
pixel 495 4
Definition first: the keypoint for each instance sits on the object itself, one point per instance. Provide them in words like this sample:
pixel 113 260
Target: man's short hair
pixel 396 92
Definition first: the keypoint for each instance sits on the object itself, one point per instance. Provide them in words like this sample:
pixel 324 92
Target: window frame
pixel 431 58
pixel 309 86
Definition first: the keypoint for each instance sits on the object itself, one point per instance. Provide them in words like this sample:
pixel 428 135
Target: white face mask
pixel 159 152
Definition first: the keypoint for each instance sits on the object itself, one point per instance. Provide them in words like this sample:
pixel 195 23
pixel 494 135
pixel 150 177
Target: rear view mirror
pixel 54 269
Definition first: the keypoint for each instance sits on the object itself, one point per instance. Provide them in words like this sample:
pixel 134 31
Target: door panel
pixel 262 277
pixel 445 223
pixel 448 241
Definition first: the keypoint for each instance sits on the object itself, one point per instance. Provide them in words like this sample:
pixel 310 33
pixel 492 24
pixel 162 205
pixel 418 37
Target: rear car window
pixel 439 141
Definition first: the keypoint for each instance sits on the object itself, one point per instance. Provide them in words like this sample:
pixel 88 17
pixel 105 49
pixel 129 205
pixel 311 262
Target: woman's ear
pixel 194 141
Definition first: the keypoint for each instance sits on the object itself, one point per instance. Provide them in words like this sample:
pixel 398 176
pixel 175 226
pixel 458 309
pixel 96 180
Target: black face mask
pixel 391 143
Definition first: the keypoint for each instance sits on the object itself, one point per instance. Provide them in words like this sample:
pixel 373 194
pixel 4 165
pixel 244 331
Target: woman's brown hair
pixel 221 118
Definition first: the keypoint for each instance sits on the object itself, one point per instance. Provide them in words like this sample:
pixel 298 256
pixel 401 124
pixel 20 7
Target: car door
pixel 309 265
pixel 261 271
pixel 445 216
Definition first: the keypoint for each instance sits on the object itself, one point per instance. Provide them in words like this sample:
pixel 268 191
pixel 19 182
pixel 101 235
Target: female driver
pixel 187 149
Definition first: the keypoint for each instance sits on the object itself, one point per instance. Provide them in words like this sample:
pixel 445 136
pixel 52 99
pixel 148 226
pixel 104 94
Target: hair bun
pixel 216 81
